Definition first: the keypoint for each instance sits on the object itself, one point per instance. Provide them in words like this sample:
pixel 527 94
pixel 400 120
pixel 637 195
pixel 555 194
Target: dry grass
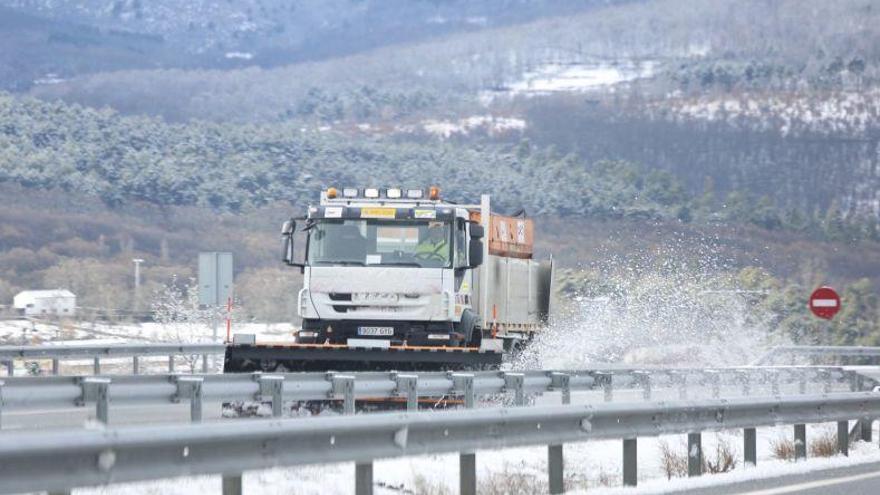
pixel 607 479
pixel 725 458
pixel 508 482
pixel 782 449
pixel 675 463
pixel 421 486
pixel 512 480
pixel 825 445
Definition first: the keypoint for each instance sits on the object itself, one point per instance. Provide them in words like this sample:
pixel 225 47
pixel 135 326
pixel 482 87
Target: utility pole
pixel 137 283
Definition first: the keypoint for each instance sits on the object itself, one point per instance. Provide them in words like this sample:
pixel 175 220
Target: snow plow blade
pixel 247 358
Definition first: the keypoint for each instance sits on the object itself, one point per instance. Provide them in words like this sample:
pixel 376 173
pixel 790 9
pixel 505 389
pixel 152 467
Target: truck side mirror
pixel 287 231
pixel 477 231
pixel 475 252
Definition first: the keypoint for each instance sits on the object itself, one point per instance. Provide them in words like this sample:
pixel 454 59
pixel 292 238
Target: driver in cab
pixel 434 243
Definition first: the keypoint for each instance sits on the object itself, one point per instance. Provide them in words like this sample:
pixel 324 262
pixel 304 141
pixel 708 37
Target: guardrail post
pixel 2 383
pixel 515 381
pixel 363 478
pixel 408 386
pixel 191 387
pixel 96 389
pixel 855 382
pixel 643 378
pixel 463 384
pixel 843 437
pixel 343 385
pixel 171 363
pixel 555 469
pixel 135 365
pixel 630 462
pixel 714 379
pixel 679 380
pixel 467 467
pixel 800 441
pixel 827 382
pixel 272 386
pixel 606 380
pixel 744 378
pixel 562 382
pixel 866 432
pixel 555 462
pixel 232 485
pixel 96 368
pixel 10 367
pixel 56 366
pixel 695 454
pixel 774 383
pixel 750 446
pixel 204 363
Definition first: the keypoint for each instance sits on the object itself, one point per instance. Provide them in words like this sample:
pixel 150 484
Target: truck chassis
pixel 245 358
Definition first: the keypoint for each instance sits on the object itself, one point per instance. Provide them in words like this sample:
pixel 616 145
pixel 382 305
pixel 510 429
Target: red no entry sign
pixel 824 302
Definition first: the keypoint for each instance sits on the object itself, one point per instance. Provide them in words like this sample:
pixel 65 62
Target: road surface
pixel 861 479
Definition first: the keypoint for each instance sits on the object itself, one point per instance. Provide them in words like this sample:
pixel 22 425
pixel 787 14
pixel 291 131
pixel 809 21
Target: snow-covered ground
pixel 25 332
pixel 489 124
pixel 572 76
pixel 591 467
pixel 849 112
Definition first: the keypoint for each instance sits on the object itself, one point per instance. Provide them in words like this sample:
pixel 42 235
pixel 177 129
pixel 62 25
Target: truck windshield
pixel 363 242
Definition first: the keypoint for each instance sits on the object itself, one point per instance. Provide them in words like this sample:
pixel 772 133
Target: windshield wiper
pixel 398 263
pixel 340 262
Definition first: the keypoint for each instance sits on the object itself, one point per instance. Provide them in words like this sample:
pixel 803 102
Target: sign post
pixel 215 285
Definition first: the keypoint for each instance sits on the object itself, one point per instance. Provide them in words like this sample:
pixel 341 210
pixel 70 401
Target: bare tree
pixel 183 320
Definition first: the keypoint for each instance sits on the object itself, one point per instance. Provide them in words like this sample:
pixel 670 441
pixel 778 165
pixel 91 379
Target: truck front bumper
pixel 413 333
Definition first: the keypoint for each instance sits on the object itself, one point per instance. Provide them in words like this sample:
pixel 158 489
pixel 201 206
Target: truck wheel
pixel 472 335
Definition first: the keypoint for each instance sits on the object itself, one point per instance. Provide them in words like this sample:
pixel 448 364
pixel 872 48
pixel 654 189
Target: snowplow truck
pixel 399 279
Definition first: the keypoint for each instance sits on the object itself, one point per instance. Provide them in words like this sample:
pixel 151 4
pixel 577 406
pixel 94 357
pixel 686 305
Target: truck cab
pixel 388 268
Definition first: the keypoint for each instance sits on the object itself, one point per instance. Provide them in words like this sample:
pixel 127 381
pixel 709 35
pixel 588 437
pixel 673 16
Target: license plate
pixel 379 331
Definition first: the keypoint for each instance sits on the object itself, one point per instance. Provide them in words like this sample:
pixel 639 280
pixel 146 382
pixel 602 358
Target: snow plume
pixel 667 307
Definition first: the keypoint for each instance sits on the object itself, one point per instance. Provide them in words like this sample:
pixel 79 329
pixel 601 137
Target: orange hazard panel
pixel 511 237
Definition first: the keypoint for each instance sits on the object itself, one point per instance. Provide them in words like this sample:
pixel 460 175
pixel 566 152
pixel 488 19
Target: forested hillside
pixel 743 131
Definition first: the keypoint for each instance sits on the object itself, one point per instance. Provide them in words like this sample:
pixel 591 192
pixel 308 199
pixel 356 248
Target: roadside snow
pixel 590 467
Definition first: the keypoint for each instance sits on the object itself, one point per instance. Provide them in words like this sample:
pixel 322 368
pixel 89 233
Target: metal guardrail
pixel 776 354
pixel 96 352
pixel 60 392
pixel 63 460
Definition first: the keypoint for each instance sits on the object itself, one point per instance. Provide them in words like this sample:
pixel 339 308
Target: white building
pixel 45 302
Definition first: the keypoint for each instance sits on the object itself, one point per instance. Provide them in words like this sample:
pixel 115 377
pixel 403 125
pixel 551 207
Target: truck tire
pixel 467 327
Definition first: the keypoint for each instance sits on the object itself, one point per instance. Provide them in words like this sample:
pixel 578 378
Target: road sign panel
pixel 215 278
pixel 824 302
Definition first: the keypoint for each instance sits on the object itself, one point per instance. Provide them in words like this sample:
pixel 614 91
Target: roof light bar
pixel 415 193
pixel 371 192
pixel 349 192
pixel 393 193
